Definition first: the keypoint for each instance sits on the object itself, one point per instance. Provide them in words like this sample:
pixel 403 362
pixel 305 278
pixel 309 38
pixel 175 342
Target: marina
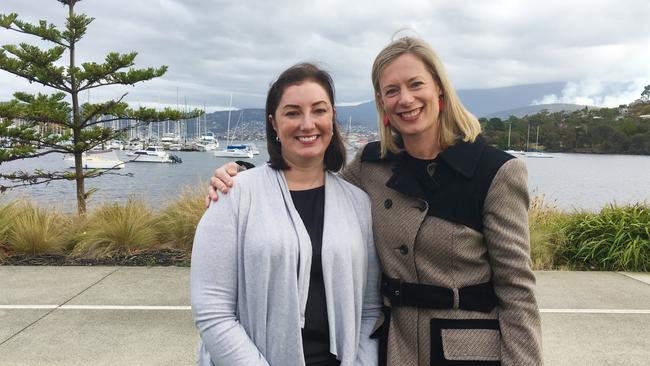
pixel 568 181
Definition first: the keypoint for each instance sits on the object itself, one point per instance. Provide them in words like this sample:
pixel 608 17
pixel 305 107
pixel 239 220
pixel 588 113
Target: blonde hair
pixel 455 122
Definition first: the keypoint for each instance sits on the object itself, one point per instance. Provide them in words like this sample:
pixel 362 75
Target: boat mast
pixel 349 124
pixel 228 130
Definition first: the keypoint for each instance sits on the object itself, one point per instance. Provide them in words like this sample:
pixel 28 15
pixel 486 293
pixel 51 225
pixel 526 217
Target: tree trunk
pixel 76 127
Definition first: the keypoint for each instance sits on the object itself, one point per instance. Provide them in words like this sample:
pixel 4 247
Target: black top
pixel 310 204
pixel 424 171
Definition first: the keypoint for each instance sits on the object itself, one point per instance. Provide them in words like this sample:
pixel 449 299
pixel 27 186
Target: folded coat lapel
pixel 403 180
pixel 344 260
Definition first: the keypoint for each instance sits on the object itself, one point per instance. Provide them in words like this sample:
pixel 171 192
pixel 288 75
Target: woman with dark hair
pixel 284 269
pixel 450 222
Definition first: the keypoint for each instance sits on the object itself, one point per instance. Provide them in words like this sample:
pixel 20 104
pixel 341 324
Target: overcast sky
pixel 214 48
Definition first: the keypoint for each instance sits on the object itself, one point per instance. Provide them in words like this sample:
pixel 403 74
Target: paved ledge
pixel 643 277
pixel 141 316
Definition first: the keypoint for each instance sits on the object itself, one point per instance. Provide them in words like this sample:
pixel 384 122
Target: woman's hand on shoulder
pixel 221 181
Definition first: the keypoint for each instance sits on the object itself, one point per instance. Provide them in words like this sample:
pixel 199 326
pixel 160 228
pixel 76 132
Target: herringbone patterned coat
pixel 477 232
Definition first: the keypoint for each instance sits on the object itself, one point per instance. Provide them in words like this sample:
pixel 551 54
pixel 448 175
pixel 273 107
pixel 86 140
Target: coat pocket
pixel 465 342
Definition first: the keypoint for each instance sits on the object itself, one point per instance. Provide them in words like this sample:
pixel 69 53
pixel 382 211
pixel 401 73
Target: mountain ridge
pixel 497 102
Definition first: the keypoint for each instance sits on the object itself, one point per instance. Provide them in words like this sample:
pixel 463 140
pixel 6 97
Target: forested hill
pixel 623 130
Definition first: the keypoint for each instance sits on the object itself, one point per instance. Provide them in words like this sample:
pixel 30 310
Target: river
pixel 567 181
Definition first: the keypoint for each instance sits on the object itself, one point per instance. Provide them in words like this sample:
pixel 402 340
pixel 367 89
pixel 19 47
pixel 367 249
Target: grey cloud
pixel 214 48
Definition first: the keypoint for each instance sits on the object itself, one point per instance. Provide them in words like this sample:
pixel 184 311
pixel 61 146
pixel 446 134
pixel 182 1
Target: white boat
pixel 538 155
pixel 169 138
pixel 209 138
pixel 115 145
pixel 103 160
pixel 516 152
pixel 353 140
pixel 175 147
pixel 234 151
pixel 152 154
pixel 206 147
pixel 510 151
pixel 135 145
pixel 253 148
pixel 170 141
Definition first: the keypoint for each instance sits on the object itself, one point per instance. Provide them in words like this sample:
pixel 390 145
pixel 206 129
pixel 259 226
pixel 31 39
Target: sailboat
pixel 537 154
pixel 207 141
pixel 353 140
pixel 233 151
pixel 510 151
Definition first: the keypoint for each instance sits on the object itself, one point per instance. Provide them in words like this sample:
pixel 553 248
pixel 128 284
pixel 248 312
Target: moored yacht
pixel 209 138
pixel 153 154
pixel 234 151
pixel 103 160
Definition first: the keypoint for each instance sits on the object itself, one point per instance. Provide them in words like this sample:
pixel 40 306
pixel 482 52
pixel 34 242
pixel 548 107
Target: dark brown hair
pixel 297 74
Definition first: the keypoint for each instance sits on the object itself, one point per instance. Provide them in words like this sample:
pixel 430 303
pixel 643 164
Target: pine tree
pixel 645 95
pixel 28 120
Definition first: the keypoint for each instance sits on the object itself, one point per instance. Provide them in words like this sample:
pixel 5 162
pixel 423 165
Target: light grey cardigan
pixel 250 274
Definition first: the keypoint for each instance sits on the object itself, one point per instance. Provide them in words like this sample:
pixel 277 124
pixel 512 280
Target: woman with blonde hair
pixel 450 220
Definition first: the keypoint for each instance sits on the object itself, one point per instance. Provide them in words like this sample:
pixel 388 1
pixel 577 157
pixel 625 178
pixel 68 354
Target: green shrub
pixel 617 238
pixel 547 237
pixel 176 223
pixel 36 230
pixel 116 229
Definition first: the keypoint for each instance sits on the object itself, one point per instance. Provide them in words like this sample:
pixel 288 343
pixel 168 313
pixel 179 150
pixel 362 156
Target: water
pixel 589 182
pixel 155 183
pixel 568 181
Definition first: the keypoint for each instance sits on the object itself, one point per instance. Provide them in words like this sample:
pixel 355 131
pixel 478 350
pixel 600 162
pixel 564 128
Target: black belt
pixel 479 297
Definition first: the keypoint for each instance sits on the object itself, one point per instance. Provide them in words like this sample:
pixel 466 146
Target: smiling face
pixel 409 97
pixel 304 123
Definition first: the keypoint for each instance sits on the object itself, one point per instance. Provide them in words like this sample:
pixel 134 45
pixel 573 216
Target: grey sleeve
pixel 368 348
pixel 505 220
pixel 213 278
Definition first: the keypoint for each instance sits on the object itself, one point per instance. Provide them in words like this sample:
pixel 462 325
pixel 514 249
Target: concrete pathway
pixel 141 316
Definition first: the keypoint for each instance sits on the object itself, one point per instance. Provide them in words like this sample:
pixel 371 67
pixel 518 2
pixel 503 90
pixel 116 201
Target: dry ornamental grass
pixel 116 229
pixel 617 238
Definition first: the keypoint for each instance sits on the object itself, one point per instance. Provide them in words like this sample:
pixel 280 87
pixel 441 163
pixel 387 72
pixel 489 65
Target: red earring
pixel 441 104
pixel 386 121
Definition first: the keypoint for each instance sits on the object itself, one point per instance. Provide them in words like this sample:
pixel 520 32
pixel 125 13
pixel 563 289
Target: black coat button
pixel 388 203
pixel 404 249
pixel 422 206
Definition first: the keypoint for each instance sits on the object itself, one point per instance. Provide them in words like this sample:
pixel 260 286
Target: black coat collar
pixel 462 157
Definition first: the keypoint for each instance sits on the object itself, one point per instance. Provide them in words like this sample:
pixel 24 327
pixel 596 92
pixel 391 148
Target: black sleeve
pixel 245 164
